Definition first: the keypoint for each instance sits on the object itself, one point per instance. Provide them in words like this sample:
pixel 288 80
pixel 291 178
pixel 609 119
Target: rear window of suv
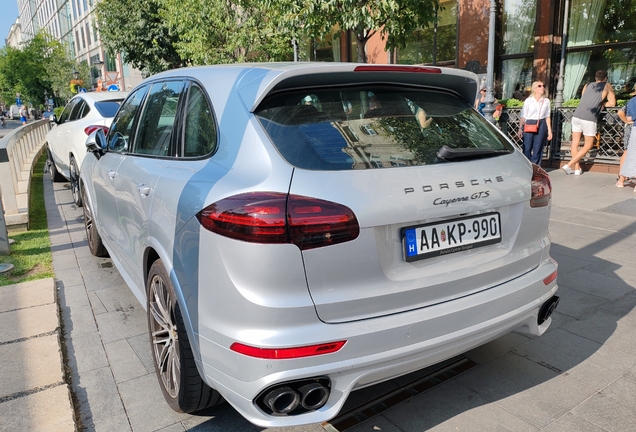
pixel 374 126
pixel 108 108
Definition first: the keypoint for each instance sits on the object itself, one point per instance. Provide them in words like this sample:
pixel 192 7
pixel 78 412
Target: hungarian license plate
pixel 447 237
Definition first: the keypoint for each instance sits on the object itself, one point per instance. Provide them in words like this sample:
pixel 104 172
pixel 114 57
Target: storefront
pixel 601 34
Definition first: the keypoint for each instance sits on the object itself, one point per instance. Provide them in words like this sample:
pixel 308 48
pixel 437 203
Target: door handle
pixel 111 174
pixel 143 189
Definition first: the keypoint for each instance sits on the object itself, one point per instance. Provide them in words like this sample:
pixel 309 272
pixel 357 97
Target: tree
pixel 225 31
pixel 394 20
pixel 138 30
pixel 40 65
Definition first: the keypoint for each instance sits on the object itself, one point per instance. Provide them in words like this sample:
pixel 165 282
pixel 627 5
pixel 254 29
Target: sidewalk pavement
pixel 579 376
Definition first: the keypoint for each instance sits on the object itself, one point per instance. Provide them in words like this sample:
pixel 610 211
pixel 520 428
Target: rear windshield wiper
pixel 447 154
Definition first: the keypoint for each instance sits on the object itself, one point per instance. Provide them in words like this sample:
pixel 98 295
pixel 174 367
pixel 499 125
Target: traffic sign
pixel 113 87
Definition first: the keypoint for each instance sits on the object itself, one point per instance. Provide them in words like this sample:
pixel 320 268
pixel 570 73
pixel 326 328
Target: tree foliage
pixel 394 20
pixel 138 30
pixel 225 31
pixel 41 65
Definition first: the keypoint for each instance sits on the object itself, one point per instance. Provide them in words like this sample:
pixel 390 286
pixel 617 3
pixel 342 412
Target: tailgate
pixel 372 275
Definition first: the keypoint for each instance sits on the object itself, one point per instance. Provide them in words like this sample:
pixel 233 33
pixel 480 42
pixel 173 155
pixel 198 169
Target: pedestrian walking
pixel 535 125
pixel 24 113
pixel 595 96
pixel 628 160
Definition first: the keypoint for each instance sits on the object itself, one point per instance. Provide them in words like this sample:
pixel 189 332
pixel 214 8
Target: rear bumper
pixel 384 348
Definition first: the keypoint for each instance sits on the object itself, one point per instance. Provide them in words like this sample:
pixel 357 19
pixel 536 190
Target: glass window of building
pixel 597 36
pixel 436 44
pixel 326 49
pixel 517 48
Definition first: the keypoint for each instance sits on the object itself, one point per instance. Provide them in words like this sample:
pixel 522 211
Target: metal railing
pixel 18 151
pixel 611 138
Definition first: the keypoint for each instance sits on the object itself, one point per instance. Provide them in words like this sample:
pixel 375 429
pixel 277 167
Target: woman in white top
pixel 536 109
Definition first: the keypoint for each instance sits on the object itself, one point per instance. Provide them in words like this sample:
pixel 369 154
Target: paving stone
pixel 596 284
pixel 500 346
pixel 117 423
pixel 78 320
pixel 453 407
pixel 118 297
pixel 86 352
pixel 96 304
pixel 572 423
pixel 121 324
pixel 587 361
pixel 27 294
pixel 47 410
pixel 98 397
pixel 30 364
pixel 69 276
pixel 72 295
pixel 607 413
pixel 577 304
pixel 140 393
pixel 24 323
pixel 141 345
pixel 532 392
pixel 124 362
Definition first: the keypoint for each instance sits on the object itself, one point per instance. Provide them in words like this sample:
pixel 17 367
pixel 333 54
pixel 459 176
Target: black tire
pixel 179 379
pixel 53 172
pixel 95 244
pixel 75 183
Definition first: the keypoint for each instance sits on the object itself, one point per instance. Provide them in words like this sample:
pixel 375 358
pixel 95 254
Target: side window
pixel 67 111
pixel 157 119
pixel 123 123
pixel 200 129
pixel 78 109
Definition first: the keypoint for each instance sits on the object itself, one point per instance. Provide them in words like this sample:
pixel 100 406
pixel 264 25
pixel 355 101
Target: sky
pixel 8 14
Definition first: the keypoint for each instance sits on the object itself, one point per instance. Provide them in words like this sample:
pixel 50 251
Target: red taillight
pixel 90 129
pixel 390 68
pixel 272 217
pixel 541 187
pixel 287 353
pixel 550 279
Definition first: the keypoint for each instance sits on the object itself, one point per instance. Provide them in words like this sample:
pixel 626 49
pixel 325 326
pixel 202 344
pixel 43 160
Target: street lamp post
pixel 558 99
pixel 489 108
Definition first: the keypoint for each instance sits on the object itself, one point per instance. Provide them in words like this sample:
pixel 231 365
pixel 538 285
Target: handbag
pixel 531 127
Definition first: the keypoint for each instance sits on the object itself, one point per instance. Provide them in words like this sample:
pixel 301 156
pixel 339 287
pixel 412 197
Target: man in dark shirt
pixel 595 96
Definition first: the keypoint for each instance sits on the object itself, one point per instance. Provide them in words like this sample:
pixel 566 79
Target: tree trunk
pixel 362 51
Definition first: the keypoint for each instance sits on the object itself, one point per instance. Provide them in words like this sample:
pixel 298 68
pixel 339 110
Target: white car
pixel 297 231
pixel 65 142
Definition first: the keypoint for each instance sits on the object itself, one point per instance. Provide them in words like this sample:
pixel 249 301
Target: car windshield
pixel 108 108
pixel 376 126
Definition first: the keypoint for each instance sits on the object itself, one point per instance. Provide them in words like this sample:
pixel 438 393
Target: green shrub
pixel 621 102
pixel 58 111
pixel 572 102
pixel 511 103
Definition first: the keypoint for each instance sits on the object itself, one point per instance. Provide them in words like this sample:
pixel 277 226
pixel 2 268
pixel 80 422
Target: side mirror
pixel 53 119
pixel 96 143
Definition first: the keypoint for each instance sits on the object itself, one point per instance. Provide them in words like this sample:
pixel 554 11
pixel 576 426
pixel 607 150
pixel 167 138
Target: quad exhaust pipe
pixel 301 396
pixel 546 310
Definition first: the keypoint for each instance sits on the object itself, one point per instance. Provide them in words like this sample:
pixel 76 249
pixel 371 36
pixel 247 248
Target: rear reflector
pixel 388 68
pixel 273 217
pixel 287 353
pixel 90 129
pixel 550 279
pixel 541 187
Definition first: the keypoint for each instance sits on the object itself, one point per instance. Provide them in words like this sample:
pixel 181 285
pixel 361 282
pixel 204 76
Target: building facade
pixel 73 23
pixel 598 34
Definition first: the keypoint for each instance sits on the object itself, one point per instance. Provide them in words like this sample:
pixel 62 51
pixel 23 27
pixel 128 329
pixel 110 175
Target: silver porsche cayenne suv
pixel 299 231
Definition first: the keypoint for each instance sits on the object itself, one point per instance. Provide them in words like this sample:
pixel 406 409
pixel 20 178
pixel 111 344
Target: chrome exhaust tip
pixel 313 396
pixel 547 309
pixel 282 400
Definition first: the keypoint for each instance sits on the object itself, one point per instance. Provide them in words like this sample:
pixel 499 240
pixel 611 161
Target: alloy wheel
pixel 164 336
